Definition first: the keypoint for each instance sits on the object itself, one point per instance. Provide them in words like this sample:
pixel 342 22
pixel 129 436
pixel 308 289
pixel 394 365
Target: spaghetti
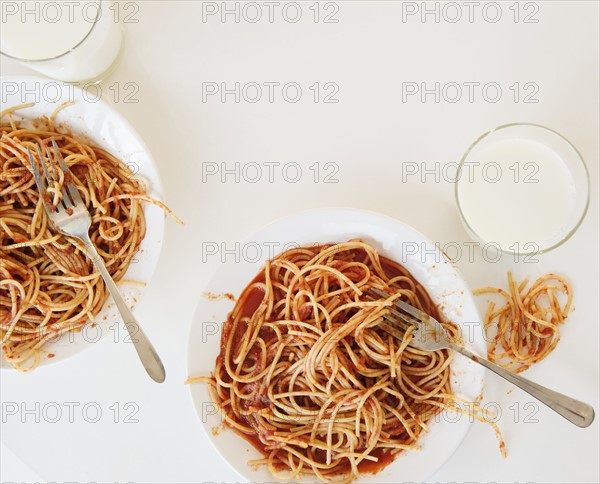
pixel 307 375
pixel 47 284
pixel 527 324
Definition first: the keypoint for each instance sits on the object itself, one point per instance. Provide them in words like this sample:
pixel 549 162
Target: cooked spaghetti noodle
pixel 309 377
pixel 527 324
pixel 47 284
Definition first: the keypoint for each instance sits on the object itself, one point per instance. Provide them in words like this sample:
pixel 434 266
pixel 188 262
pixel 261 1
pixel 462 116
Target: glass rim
pixel 587 185
pixel 58 56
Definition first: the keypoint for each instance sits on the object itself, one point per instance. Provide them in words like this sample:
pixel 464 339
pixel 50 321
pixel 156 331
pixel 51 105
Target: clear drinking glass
pixel 523 188
pixel 64 40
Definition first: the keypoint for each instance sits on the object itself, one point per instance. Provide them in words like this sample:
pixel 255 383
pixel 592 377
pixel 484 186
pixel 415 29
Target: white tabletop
pixel 370 137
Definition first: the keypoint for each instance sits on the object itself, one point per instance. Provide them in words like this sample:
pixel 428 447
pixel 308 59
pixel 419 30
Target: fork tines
pixel 70 195
pixel 397 322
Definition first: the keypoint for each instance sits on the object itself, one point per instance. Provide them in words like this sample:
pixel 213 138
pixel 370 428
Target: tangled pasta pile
pixel 48 286
pixel 527 324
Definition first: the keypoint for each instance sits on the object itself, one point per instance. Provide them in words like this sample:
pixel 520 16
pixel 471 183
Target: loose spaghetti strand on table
pixel 527 325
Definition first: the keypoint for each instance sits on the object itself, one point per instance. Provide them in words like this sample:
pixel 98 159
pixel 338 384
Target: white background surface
pixel 372 135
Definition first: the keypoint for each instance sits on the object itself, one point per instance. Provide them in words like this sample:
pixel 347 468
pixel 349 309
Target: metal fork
pixel 429 335
pixel 71 217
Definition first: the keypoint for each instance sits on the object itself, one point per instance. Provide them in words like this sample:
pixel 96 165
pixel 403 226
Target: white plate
pixel 392 239
pixel 96 121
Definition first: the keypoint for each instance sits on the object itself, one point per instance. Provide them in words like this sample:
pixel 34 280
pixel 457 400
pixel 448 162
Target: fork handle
pixel 143 347
pixel 576 412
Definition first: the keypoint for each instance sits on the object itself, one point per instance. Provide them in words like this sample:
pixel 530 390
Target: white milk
pixel 519 192
pixel 34 31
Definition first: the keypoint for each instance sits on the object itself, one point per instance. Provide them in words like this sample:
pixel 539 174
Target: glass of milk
pixel 66 40
pixel 522 188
